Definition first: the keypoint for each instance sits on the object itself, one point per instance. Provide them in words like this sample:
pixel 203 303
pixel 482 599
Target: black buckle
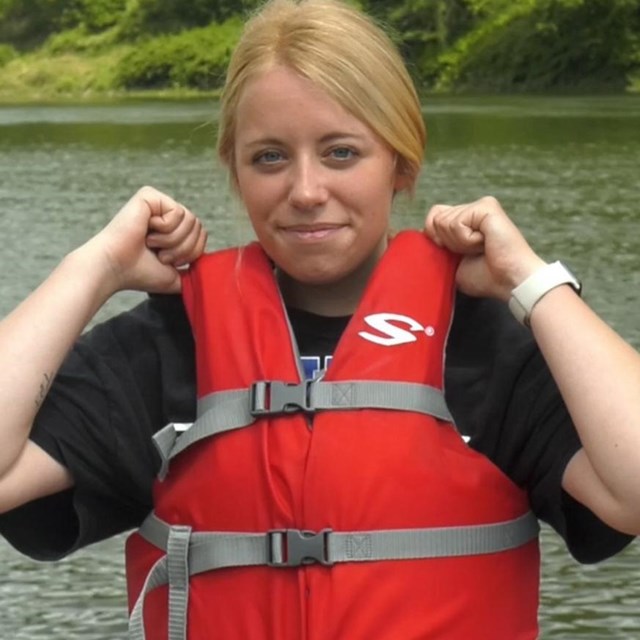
pixel 280 397
pixel 293 547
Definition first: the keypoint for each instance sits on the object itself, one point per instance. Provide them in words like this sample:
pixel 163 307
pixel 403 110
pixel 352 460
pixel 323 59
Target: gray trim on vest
pixel 228 410
pixel 293 548
pixel 178 575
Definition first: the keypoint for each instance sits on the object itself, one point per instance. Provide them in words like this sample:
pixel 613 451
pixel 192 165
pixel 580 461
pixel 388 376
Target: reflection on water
pixel 566 168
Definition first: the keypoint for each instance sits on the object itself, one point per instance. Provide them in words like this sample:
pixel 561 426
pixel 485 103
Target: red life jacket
pixel 353 470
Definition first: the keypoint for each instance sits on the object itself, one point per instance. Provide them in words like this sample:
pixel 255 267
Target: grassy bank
pixel 42 77
pixel 72 77
pixel 76 64
pixel 81 49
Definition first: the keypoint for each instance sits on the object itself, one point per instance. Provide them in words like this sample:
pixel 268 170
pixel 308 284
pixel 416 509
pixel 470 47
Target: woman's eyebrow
pixel 329 137
pixel 340 135
pixel 261 142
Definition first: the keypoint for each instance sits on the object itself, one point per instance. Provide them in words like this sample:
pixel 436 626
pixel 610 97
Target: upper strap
pixel 229 410
pixel 317 395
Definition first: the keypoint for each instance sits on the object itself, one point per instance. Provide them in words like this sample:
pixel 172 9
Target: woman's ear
pixel 402 182
pixel 404 179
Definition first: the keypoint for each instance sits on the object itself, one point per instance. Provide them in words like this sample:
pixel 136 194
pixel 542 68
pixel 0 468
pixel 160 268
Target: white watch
pixel 528 293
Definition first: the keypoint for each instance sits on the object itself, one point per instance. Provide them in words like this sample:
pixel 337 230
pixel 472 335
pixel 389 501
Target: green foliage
pixel 37 75
pixel 450 45
pixel 94 16
pixel 423 29
pixel 7 53
pixel 503 45
pixel 171 16
pixel 79 40
pixel 544 44
pixel 26 24
pixel 196 58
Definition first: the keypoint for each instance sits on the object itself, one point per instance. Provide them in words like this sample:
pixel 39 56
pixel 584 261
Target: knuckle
pixel 490 201
pixel 146 191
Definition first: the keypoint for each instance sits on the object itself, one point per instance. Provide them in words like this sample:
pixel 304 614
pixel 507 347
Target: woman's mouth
pixel 311 233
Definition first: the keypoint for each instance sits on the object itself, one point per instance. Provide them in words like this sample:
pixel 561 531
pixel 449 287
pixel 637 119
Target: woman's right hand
pixel 140 248
pixel 148 239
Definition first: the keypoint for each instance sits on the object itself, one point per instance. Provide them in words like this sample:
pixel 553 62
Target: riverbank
pixel 40 77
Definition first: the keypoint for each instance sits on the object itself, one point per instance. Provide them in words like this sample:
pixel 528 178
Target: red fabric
pixel 349 471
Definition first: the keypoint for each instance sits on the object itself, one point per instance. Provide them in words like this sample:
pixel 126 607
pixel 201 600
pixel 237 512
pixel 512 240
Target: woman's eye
pixel 342 153
pixel 268 157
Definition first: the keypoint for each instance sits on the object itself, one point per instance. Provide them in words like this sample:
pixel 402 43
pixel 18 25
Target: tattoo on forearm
pixel 44 387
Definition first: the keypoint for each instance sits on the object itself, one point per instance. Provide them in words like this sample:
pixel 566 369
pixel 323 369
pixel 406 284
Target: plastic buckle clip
pixel 280 397
pixel 293 547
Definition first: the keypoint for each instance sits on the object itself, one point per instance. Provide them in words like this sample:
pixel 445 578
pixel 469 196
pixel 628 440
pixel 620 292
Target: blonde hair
pixel 343 52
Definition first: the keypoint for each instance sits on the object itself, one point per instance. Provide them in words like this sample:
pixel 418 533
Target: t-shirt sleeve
pixel 122 381
pixel 503 396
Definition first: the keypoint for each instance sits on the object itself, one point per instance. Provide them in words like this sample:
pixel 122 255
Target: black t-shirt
pixel 131 375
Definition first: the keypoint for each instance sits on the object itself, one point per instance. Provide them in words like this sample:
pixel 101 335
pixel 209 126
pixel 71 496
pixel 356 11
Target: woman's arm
pixel 598 375
pixel 139 249
pixel 597 372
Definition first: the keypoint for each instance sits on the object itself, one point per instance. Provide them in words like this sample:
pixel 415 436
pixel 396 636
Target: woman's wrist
pixel 97 273
pixel 538 284
pixel 516 274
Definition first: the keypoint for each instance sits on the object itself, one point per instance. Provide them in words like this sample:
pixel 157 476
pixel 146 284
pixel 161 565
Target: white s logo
pixel 393 335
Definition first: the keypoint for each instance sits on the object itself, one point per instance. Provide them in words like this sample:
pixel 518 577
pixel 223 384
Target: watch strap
pixel 527 294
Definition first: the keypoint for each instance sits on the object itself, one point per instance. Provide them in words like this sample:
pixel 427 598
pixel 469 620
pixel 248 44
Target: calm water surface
pixel 566 168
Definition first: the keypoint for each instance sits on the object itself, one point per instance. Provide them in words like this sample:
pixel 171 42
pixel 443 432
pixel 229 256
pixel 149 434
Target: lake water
pixel 566 168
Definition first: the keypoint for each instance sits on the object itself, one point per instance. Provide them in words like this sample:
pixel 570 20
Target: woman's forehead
pixel 281 100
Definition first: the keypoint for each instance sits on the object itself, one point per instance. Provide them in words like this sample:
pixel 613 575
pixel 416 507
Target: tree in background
pixel 423 30
pixel 543 44
pixel 507 45
pixel 26 24
pixel 171 16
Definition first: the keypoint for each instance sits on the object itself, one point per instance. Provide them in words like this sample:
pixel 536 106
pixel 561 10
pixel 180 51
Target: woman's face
pixel 317 183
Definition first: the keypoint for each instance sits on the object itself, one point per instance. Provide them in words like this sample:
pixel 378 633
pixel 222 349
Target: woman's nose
pixel 308 187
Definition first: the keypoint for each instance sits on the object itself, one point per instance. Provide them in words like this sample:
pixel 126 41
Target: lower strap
pixel 190 553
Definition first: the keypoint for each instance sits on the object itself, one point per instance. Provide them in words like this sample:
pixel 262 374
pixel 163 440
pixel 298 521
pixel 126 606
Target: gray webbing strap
pixel 292 547
pixel 198 552
pixel 164 441
pixel 274 397
pixel 228 410
pixel 156 578
pixel 172 569
pixel 398 396
pixel 178 575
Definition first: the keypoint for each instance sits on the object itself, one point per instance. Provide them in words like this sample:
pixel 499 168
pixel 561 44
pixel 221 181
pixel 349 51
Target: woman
pixel 320 128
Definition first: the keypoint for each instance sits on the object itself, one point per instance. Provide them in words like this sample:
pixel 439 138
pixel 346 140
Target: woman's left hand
pixel 496 256
pixel 597 372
